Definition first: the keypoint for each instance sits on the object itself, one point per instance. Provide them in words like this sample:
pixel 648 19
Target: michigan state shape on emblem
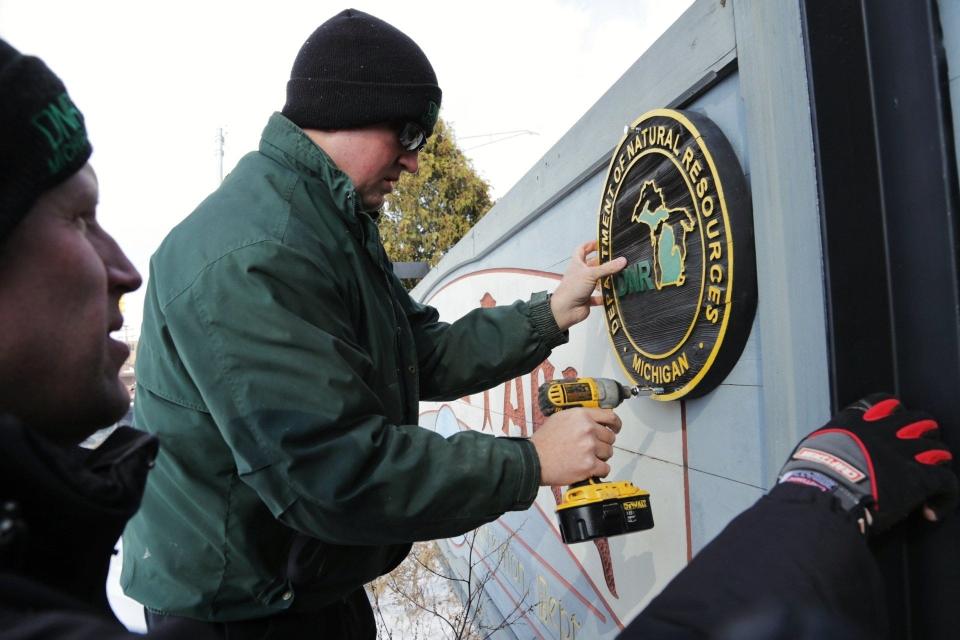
pixel 675 204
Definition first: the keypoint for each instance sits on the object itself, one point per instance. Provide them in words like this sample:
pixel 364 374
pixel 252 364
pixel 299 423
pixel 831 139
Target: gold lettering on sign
pixel 661 373
pixel 552 613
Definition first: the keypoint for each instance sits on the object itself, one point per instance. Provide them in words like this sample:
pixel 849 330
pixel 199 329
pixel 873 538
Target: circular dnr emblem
pixel 676 205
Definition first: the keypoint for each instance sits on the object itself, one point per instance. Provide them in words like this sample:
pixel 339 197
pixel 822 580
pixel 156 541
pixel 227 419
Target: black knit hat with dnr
pixel 357 70
pixel 43 139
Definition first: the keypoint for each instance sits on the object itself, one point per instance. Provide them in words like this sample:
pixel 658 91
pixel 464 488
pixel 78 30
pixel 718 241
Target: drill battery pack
pixel 595 509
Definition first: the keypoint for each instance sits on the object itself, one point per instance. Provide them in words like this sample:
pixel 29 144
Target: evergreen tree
pixel 431 210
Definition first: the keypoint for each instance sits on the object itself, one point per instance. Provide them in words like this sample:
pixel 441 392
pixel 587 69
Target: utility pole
pixel 220 141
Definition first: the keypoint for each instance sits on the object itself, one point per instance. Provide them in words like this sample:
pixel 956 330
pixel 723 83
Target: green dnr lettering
pixel 61 124
pixel 636 278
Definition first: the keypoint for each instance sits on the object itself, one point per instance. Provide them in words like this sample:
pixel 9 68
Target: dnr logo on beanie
pixel 61 124
pixel 43 139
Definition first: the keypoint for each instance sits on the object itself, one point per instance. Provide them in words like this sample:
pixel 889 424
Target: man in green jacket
pixel 281 364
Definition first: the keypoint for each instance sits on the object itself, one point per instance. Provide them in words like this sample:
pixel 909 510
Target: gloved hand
pixel 881 461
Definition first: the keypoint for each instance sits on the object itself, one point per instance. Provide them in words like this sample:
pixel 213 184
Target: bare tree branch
pixel 428 594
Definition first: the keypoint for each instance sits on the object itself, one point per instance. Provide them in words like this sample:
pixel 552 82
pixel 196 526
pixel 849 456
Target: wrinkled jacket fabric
pixel 63 509
pixel 281 363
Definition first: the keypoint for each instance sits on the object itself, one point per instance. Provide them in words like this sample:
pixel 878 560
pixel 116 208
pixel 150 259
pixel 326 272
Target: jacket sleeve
pixel 483 348
pixel 793 565
pixel 278 364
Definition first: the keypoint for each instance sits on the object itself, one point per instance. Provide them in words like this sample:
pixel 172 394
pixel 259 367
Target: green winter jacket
pixel 281 364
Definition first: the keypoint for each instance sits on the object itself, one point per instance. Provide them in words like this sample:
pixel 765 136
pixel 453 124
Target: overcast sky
pixel 155 80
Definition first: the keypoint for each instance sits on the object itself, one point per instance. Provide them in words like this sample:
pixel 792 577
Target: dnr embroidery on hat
pixel 61 124
pixel 675 204
pixel 433 112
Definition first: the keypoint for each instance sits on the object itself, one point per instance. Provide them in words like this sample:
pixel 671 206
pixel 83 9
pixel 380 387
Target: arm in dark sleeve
pixel 794 554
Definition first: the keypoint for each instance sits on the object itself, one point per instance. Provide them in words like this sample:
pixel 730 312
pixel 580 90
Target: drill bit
pixel 629 392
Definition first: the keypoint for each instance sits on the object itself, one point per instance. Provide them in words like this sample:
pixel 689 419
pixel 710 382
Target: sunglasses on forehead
pixel 412 136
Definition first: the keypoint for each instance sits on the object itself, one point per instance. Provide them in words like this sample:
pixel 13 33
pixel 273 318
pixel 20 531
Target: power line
pixel 500 136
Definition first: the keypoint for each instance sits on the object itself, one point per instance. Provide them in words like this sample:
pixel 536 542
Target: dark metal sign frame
pixel 888 205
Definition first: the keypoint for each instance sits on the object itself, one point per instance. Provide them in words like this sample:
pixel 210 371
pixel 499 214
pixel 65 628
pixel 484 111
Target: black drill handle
pixel 588 481
pixel 547 408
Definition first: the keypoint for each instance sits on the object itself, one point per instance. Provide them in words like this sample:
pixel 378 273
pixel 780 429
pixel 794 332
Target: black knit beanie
pixel 356 70
pixel 43 140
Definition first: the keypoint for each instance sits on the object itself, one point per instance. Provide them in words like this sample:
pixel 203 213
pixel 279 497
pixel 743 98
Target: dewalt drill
pixel 594 508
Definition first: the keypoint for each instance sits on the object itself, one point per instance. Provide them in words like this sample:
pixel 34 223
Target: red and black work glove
pixel 881 461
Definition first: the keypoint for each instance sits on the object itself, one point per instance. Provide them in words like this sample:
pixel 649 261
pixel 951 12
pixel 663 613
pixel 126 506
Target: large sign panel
pixel 542 587
pixel 675 203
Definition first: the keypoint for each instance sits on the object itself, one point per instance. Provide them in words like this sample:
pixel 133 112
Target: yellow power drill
pixel 594 508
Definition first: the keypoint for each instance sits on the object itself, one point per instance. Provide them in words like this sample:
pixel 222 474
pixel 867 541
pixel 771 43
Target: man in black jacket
pixel 62 508
pixel 797 564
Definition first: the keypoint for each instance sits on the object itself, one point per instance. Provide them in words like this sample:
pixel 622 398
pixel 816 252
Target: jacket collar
pixel 65 507
pixel 286 143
